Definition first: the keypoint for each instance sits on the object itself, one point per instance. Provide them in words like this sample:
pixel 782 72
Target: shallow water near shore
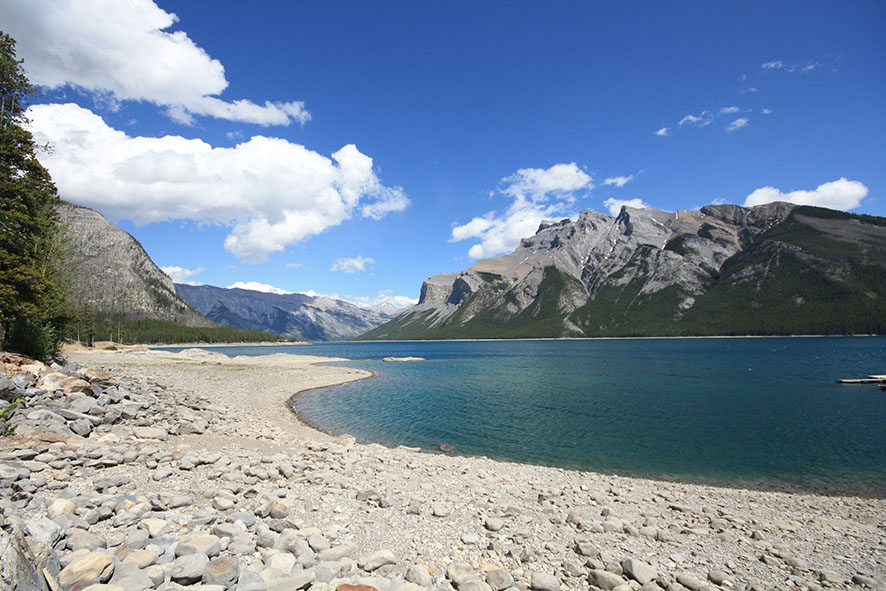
pixel 758 413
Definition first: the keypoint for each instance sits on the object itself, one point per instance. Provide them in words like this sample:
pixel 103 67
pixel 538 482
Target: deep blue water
pixel 763 413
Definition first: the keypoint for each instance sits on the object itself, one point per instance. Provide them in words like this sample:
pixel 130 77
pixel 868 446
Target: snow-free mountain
pixel 294 315
pixel 724 270
pixel 110 271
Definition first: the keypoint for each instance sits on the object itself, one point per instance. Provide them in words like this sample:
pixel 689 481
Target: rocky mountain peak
pixel 676 270
pixel 110 271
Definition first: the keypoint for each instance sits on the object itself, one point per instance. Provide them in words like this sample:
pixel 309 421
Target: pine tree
pixel 32 295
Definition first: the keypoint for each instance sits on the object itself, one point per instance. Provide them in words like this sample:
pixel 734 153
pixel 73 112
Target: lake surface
pixel 761 413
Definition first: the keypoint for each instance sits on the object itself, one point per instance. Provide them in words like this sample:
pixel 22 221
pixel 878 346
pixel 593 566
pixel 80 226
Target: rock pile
pixel 113 481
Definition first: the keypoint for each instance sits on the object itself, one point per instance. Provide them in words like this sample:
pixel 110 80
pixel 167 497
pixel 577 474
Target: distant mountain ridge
pixel 109 270
pixel 724 270
pixel 312 318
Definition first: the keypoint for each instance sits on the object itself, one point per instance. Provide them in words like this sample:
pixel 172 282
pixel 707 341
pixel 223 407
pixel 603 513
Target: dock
pixel 872 379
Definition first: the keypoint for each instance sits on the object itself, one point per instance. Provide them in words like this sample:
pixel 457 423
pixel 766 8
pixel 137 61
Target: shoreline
pixel 431 520
pixel 757 484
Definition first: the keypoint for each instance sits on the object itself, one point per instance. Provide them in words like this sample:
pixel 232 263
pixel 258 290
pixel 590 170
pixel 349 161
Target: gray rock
pixel 18 563
pixel 459 572
pixel 128 576
pixel 604 579
pixel 174 500
pixel 82 427
pixel 718 577
pixel 440 510
pixel 474 585
pixel 544 582
pixel 499 579
pixel 223 570
pixel 318 542
pixel 419 574
pixel 494 524
pixel 690 582
pixel 79 539
pixel 207 544
pixel 638 570
pixel 864 581
pixel 337 552
pixel 379 559
pixel 150 433
pixel 188 569
pixel 44 530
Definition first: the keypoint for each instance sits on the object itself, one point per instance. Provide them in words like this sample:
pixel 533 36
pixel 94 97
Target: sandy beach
pixel 251 476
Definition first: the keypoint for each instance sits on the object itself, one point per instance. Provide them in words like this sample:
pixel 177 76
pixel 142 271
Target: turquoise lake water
pixel 761 413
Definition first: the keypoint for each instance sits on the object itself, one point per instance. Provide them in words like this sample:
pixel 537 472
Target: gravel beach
pixel 151 470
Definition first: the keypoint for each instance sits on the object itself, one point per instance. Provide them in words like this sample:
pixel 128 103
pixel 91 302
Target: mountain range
pixel 295 315
pixel 724 270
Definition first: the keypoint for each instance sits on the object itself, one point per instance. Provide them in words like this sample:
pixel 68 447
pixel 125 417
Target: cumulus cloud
pixel 663 132
pixel 256 286
pixel 272 192
pixel 766 111
pixel 181 275
pixel 615 205
pixel 727 110
pixel 737 124
pixel 352 265
pixel 773 65
pixel 538 184
pixel 619 181
pixel 122 51
pixel 840 194
pixel 537 194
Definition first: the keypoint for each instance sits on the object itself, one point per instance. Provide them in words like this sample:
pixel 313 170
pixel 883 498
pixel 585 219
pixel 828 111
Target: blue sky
pixel 356 148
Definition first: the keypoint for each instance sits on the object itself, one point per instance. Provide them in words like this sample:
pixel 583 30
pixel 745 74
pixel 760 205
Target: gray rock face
pixel 291 315
pixel 111 271
pixel 671 259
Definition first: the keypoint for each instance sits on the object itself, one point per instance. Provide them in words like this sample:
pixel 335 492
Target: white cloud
pixel 539 184
pixel 181 275
pixel 663 132
pixel 615 205
pixel 727 110
pixel 719 201
pixel 256 286
pixel 737 124
pixel 619 181
pixel 766 111
pixel 792 68
pixel 353 265
pixel 703 119
pixel 273 192
pixel 749 89
pixel 840 194
pixel 293 265
pixel 123 51
pixel 537 194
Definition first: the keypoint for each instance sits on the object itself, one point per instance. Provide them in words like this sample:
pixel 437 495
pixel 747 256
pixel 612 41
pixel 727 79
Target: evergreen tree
pixel 32 296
